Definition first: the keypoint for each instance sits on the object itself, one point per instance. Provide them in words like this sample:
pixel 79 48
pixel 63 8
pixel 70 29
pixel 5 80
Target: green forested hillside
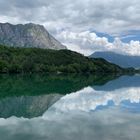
pixel 17 60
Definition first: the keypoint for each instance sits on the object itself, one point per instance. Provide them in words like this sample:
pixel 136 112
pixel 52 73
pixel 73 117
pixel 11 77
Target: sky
pixel 85 26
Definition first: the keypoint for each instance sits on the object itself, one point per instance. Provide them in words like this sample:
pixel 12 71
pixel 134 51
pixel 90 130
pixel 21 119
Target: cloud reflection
pixel 88 99
pixel 106 124
pixel 71 118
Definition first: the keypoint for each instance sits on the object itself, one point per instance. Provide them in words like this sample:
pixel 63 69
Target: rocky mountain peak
pixel 28 35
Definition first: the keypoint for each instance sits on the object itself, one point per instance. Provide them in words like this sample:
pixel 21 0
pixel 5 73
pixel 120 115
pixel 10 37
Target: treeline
pixel 25 60
pixel 40 84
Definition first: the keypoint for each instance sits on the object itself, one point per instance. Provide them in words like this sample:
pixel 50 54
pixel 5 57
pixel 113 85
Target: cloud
pixel 112 123
pixel 103 15
pixel 72 113
pixel 88 42
pixel 80 16
pixel 79 101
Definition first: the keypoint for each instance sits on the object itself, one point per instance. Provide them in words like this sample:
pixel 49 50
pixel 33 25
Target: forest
pixel 36 60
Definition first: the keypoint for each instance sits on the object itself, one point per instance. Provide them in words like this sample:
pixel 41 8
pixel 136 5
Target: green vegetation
pixel 30 95
pixel 32 60
pixel 12 85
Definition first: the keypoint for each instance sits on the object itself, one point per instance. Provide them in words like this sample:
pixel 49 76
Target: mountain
pixel 30 60
pixel 118 59
pixel 28 35
pixel 17 85
pixel 27 106
pixel 125 81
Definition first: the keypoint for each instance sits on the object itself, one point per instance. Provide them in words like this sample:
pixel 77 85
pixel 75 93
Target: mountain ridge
pixel 32 60
pixel 118 59
pixel 28 35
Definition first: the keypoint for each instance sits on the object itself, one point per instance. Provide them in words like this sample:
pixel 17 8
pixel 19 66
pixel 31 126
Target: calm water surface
pixel 74 107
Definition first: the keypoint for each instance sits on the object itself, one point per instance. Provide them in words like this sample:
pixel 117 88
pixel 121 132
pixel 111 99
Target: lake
pixel 69 107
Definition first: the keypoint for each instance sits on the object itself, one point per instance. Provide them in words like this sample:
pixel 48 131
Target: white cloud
pixel 75 17
pixel 112 123
pixel 92 99
pixel 88 42
pixel 110 16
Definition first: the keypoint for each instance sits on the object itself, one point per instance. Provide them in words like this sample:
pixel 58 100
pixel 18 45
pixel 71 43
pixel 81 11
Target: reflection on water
pixel 100 110
pixel 33 85
pixel 27 106
pixel 89 99
pixel 121 82
pixel 31 95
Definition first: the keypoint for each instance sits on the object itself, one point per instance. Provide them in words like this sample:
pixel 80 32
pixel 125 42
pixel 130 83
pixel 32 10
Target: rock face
pixel 27 106
pixel 28 35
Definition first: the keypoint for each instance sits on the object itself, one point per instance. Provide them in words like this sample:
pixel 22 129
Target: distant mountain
pixel 28 35
pixel 118 59
pixel 125 81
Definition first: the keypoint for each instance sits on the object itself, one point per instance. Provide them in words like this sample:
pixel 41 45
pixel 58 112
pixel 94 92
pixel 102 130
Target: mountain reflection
pixel 125 81
pixel 118 92
pixel 103 114
pixel 89 99
pixel 42 84
pixel 31 95
pixel 27 106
